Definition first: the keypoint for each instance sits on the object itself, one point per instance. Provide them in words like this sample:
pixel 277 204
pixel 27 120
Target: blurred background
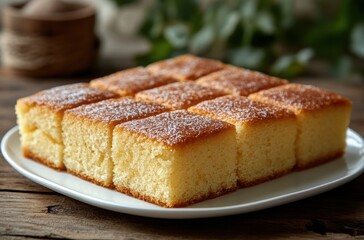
pixel 286 38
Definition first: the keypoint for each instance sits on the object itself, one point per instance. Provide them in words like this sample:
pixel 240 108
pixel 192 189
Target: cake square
pixel 180 95
pixel 87 135
pixel 175 158
pixel 323 118
pixel 39 118
pixel 239 82
pixel 185 67
pixel 130 81
pixel 265 136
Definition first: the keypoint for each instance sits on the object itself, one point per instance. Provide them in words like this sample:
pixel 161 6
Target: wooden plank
pixel 10 180
pixel 53 216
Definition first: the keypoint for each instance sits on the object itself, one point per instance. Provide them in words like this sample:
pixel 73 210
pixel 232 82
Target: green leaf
pixel 304 55
pixel 157 26
pixel 161 49
pixel 287 11
pixel 123 2
pixel 210 13
pixel 343 67
pixel 177 35
pixel 247 57
pixel 357 40
pixel 291 65
pixel 229 26
pixel 265 22
pixel 202 40
pixel 282 64
pixel 222 14
pixel 248 10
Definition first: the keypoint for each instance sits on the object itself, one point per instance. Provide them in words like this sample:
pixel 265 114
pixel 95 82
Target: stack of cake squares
pixel 183 130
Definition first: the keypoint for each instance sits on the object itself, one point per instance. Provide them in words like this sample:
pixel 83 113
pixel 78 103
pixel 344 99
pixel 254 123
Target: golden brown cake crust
pixel 240 82
pixel 243 184
pixel 298 97
pixel 67 96
pixel 114 111
pixel 320 160
pixel 149 199
pixel 89 179
pixel 29 154
pixel 186 67
pixel 240 109
pixel 179 95
pixel 131 81
pixel 176 128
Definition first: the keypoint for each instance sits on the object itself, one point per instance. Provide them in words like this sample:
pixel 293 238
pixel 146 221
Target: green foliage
pixel 123 2
pixel 258 34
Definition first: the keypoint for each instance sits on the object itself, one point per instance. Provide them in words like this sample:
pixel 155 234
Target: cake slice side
pixel 322 135
pixel 174 159
pixel 265 136
pixel 40 115
pixel 323 118
pixel 266 150
pixel 39 134
pixel 87 135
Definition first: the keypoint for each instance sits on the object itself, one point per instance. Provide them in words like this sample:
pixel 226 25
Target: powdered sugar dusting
pixel 177 127
pixel 242 109
pixel 69 96
pixel 240 82
pixel 300 97
pixel 131 81
pixel 187 67
pixel 180 95
pixel 114 111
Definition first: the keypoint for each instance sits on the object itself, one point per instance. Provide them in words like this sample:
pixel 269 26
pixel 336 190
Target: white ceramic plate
pixel 292 187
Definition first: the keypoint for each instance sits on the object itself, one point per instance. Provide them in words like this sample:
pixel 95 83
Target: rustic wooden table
pixel 28 210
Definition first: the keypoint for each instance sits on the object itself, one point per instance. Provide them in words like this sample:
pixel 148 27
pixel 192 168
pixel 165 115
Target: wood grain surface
pixel 30 211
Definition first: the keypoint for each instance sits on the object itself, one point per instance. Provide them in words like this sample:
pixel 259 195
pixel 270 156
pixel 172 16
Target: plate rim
pixel 180 213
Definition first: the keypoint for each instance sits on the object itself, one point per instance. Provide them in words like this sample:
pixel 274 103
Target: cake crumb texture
pixel 323 118
pixel 39 117
pixel 171 175
pixel 265 136
pixel 87 135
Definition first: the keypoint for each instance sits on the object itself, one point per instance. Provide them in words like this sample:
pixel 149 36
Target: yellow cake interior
pixel 40 118
pixel 87 135
pixel 323 118
pixel 265 150
pixel 87 153
pixel 321 135
pixel 265 136
pixel 174 175
pixel 40 130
